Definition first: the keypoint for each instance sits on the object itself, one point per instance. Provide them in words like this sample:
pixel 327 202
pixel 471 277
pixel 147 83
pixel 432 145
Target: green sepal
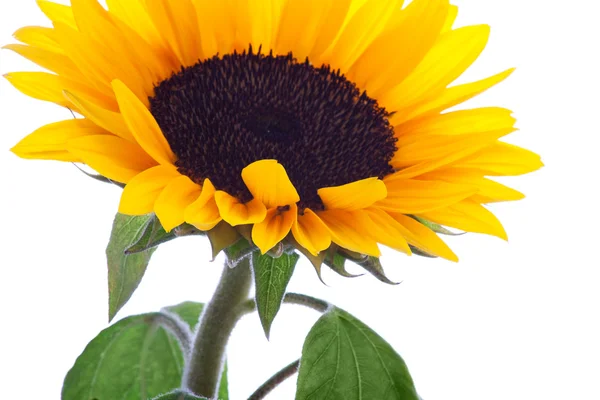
pixel 221 237
pixel 152 236
pixel 125 271
pixel 419 252
pixel 179 395
pixel 271 277
pixel 342 358
pixel 437 228
pixel 373 266
pixel 337 262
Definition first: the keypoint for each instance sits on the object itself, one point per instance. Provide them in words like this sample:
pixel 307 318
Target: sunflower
pixel 313 122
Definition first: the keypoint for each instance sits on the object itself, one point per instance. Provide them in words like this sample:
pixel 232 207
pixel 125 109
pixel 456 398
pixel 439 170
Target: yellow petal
pixel 135 15
pixel 301 23
pixel 274 228
pixel 217 32
pixel 39 37
pixel 450 18
pixel 172 202
pixel 111 121
pixel 446 61
pixel 142 125
pixel 467 216
pixel 360 32
pixel 52 61
pixel 50 87
pixel 269 183
pixel 411 196
pixel 353 196
pixel 112 156
pixel 386 230
pixel 140 194
pixel 330 26
pixel 488 191
pixel 57 12
pixel 455 123
pixel 311 233
pixel 177 23
pixel 50 142
pixel 204 213
pixel 236 213
pixel 503 159
pixel 395 54
pixel 423 238
pixel 448 98
pixel 350 230
pixel 264 20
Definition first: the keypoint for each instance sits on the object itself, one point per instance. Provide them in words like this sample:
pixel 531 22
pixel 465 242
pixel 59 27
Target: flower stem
pixel 215 326
pixel 275 380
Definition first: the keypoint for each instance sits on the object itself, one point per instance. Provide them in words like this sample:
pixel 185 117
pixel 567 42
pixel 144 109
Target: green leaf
pixel 179 395
pixel 136 358
pixel 271 276
pixel 342 358
pixel 153 235
pixel 125 271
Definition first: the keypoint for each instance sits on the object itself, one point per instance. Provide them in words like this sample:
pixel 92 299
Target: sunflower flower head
pixel 316 124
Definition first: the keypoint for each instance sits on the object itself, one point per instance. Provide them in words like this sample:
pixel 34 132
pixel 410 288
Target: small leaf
pixel 342 358
pixel 179 395
pixel 136 358
pixel 125 271
pixel 153 235
pixel 221 237
pixel 373 266
pixel 271 276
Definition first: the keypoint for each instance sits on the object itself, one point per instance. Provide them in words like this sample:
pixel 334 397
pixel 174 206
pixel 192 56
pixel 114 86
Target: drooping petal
pixel 353 196
pixel 204 213
pixel 386 230
pixel 50 141
pixel 142 125
pixel 412 196
pixel 269 183
pixel 467 215
pixel 236 213
pixel 274 228
pixel 350 230
pixel 112 156
pixel 423 238
pixel 172 202
pixel 311 233
pixel 140 194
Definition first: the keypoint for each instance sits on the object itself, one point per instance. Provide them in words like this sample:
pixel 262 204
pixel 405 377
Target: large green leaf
pixel 134 359
pixel 271 276
pixel 125 271
pixel 342 358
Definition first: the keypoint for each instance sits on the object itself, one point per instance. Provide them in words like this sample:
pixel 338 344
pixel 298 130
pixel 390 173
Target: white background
pixel 517 320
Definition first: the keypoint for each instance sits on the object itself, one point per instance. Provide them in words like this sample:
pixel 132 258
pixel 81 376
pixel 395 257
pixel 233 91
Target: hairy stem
pixel 275 380
pixel 215 327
